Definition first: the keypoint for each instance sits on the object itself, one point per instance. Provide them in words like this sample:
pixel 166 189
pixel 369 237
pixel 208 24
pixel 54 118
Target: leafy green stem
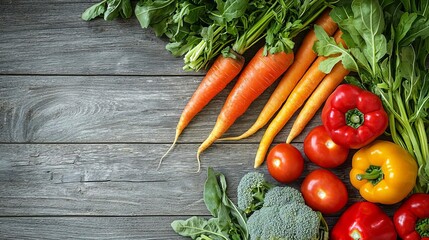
pixel 256 32
pixel 415 148
pixel 421 132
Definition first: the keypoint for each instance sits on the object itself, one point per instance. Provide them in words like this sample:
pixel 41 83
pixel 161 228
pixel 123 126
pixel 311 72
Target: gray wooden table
pixel 86 111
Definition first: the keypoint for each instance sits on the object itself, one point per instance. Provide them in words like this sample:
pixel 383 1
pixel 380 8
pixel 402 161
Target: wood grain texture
pixel 86 111
pixel 51 38
pixel 120 179
pixel 112 109
pixel 52 228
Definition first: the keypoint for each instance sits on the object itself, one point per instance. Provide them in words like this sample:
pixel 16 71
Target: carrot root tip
pixel 198 162
pixel 166 153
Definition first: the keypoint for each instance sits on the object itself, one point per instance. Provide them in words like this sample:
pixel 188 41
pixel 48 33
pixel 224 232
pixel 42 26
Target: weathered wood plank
pixel 87 228
pixel 138 227
pixel 112 109
pixel 50 38
pixel 121 179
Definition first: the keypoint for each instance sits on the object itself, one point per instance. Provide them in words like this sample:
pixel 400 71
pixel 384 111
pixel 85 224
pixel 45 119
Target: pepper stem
pixel 354 118
pixel 422 227
pixel 374 174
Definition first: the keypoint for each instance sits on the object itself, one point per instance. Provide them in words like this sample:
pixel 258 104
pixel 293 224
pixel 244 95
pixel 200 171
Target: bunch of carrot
pixel 301 77
pixel 312 89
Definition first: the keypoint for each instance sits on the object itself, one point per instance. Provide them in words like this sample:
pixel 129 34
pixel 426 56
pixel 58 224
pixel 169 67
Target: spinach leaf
pixel 240 228
pixel 112 10
pixel 94 11
pixel 195 227
pixel 368 16
pixel 212 193
pixel 151 12
pixel 227 222
pixel 126 9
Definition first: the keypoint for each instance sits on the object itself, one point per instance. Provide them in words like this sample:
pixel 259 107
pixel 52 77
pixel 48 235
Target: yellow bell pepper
pixel 384 172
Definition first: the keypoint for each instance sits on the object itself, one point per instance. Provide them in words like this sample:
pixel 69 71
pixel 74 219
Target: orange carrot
pixel 303 59
pixel 296 99
pixel 256 77
pixel 317 98
pixel 222 72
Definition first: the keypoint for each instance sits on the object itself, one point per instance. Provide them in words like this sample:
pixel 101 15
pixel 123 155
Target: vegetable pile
pixel 388 48
pixel 364 62
pixel 264 211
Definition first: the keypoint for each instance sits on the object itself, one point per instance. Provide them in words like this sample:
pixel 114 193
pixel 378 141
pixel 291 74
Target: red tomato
pixel 321 150
pixel 324 191
pixel 285 163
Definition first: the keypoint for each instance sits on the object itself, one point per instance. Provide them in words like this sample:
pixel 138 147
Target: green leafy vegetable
pixel 388 47
pixel 195 227
pixel 281 212
pixel 151 13
pixel 94 11
pixel 228 222
pixel 109 9
pixel 276 21
pixel 200 30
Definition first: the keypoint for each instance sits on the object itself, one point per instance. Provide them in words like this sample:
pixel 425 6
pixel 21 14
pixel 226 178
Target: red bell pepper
pixel 354 117
pixel 364 221
pixel 412 218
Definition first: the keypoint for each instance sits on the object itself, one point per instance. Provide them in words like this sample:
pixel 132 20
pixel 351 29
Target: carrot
pixel 257 76
pixel 223 70
pixel 303 59
pixel 317 98
pixel 297 97
pixel 220 74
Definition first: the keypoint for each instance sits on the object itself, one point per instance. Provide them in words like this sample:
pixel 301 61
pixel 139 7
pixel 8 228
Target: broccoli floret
pixel 289 218
pixel 267 223
pixel 251 192
pixel 308 222
pixel 282 195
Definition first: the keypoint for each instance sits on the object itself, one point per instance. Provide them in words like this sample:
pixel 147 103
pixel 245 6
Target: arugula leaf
pixel 326 46
pixel 344 16
pixel 404 25
pixel 94 11
pixel 418 29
